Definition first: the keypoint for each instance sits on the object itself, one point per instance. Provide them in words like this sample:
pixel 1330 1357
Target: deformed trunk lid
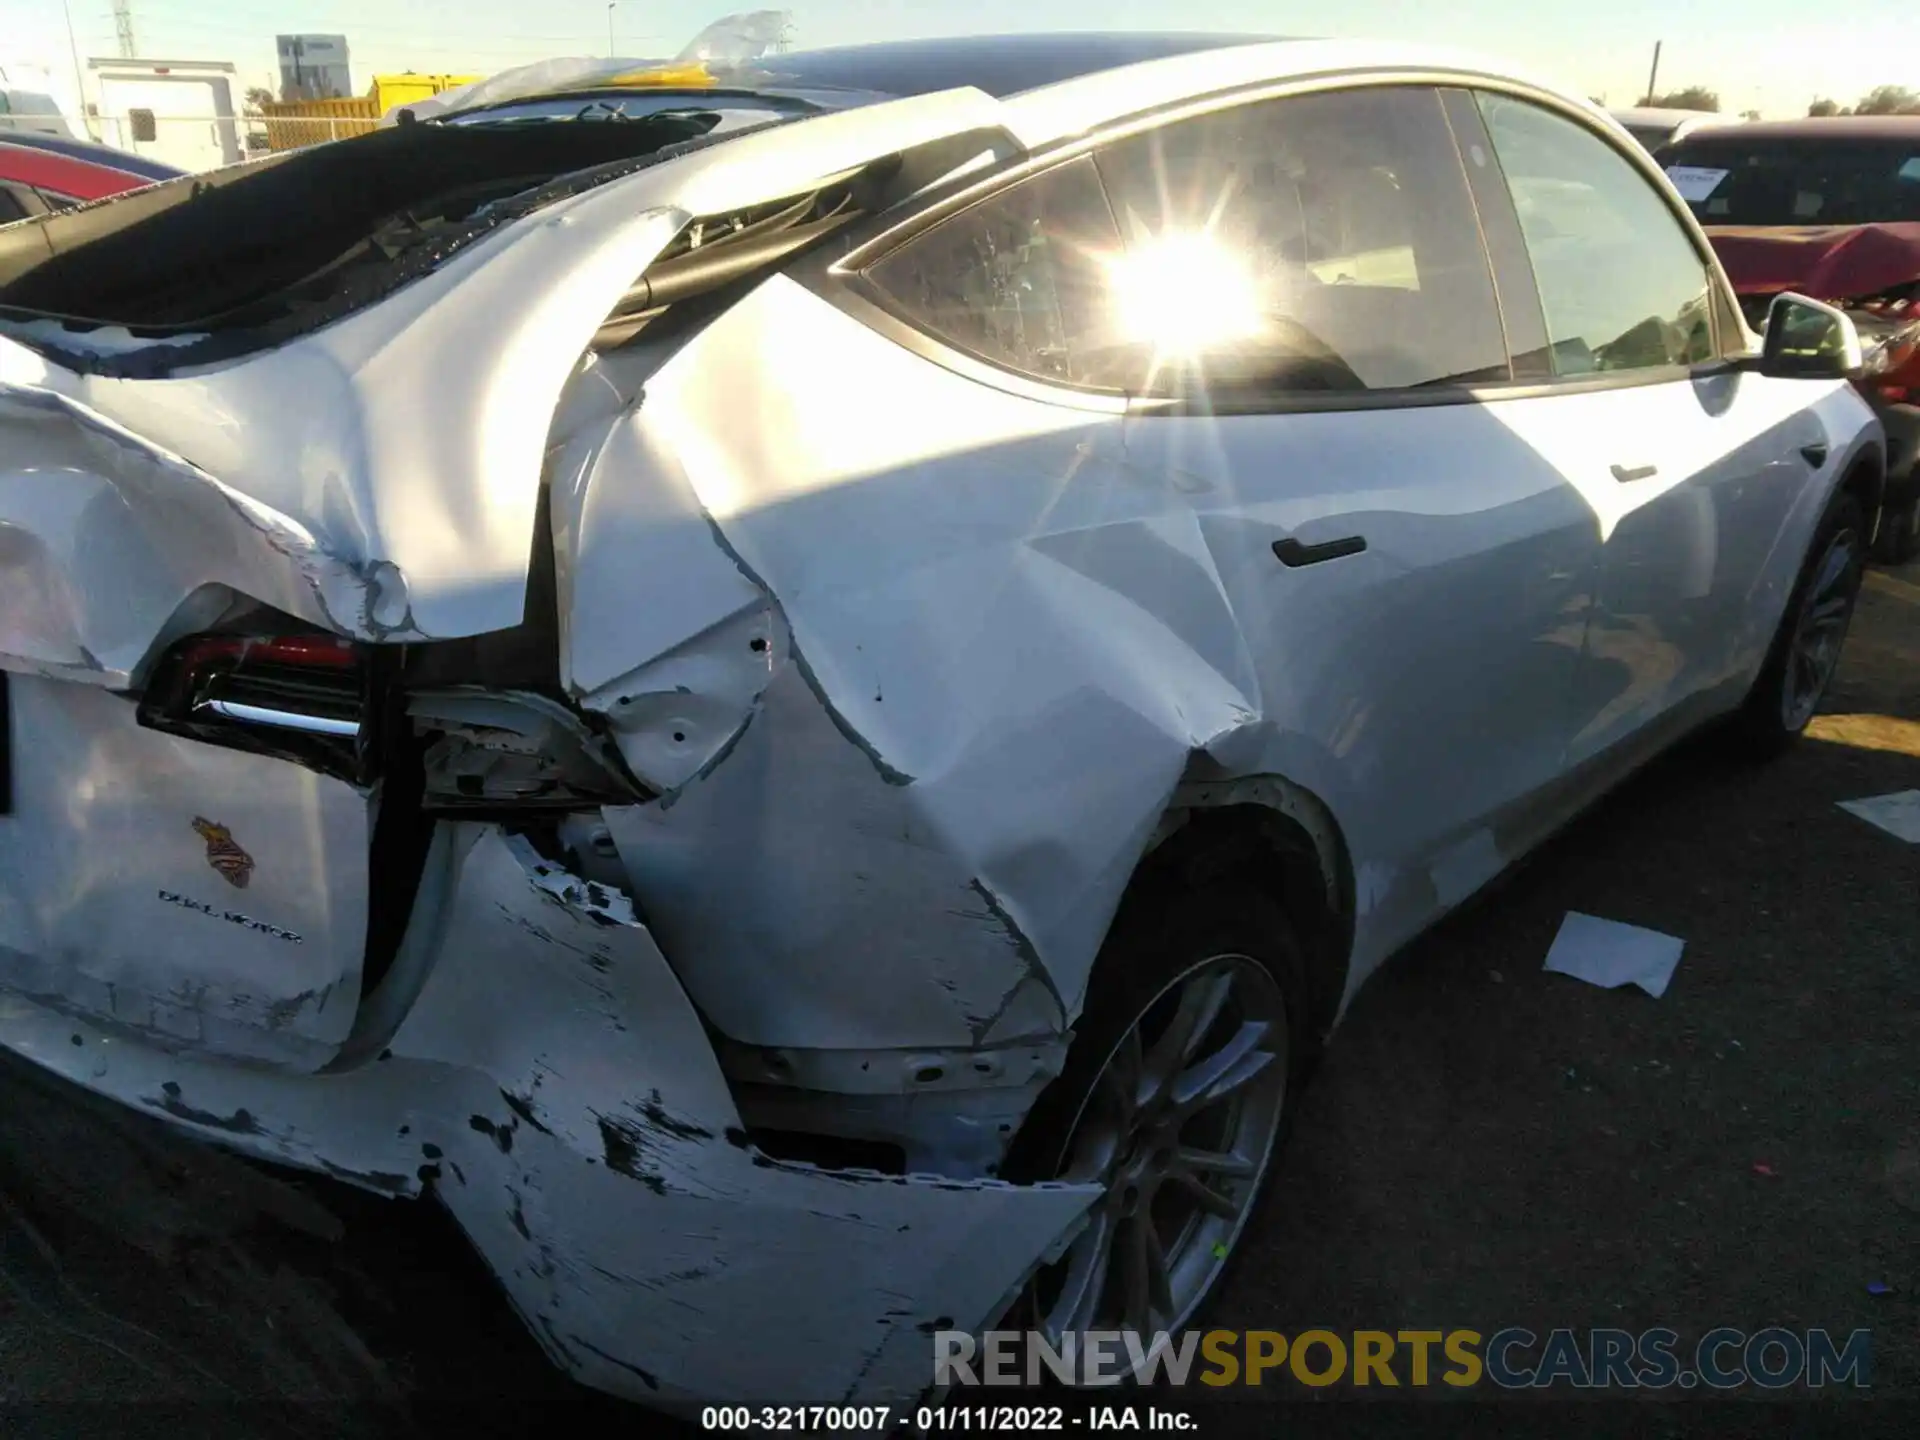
pixel 399 451
pixel 380 478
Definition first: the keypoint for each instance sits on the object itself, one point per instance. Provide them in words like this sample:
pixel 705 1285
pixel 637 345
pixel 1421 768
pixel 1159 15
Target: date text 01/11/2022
pixel 937 1419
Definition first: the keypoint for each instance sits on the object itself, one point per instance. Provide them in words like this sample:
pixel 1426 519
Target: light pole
pixel 610 5
pixel 79 76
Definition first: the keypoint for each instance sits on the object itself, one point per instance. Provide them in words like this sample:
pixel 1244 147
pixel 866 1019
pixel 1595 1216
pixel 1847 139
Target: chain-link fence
pixel 291 125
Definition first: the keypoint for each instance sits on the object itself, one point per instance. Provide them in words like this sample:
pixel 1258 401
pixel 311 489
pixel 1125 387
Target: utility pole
pixel 1653 76
pixel 123 28
pixel 610 5
pixel 79 75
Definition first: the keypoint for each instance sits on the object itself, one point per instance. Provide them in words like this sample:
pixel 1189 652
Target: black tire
pixel 1158 938
pixel 1762 728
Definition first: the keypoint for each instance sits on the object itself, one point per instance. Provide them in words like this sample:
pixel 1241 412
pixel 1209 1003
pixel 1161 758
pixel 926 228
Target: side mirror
pixel 1807 340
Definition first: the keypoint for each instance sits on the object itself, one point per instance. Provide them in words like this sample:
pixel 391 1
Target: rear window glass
pixel 1728 183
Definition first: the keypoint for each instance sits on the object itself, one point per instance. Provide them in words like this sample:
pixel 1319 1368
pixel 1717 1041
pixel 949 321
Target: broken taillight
pixel 302 697
pixel 1890 333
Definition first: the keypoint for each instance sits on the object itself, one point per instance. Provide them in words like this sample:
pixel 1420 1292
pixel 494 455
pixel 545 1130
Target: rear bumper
pixel 555 1088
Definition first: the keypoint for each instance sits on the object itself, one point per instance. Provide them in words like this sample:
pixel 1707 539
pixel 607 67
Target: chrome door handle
pixel 1639 472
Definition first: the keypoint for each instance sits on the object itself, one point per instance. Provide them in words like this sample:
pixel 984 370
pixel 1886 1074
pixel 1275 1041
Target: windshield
pixel 1651 137
pixel 1805 183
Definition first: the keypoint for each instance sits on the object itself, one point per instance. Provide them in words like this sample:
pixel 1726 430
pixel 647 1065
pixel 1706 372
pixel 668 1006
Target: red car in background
pixel 39 173
pixel 1830 209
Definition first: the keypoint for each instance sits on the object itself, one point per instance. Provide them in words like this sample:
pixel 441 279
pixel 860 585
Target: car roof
pixel 1001 65
pixel 1839 129
pixel 1657 115
pixel 85 150
pixel 1054 85
pixel 1098 97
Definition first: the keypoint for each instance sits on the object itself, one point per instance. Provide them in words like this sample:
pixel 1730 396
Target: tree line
pixel 1881 100
pixel 1884 100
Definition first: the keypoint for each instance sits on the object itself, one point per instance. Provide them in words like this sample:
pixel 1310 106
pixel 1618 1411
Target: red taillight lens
pixel 318 651
pixel 305 697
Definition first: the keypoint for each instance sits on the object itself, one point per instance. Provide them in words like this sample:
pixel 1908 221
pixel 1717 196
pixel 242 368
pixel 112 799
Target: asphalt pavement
pixel 1490 1145
pixel 1486 1145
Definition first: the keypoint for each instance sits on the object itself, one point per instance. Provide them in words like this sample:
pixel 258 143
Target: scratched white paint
pixel 562 1098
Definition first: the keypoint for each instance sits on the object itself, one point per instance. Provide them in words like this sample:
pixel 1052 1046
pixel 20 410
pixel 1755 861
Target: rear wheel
pixel 1175 1099
pixel 1806 650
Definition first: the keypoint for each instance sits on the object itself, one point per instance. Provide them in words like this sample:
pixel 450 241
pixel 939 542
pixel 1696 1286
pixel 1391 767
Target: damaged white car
pixel 805 696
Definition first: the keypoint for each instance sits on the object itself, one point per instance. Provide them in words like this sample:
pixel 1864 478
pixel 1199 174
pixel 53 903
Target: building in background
pixel 314 67
pixel 180 112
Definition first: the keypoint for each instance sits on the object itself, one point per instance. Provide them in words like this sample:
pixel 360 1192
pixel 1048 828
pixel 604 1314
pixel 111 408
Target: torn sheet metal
pixel 1609 954
pixel 409 437
pixel 915 813
pixel 514 747
pixel 554 1087
pixel 105 539
pixel 985 632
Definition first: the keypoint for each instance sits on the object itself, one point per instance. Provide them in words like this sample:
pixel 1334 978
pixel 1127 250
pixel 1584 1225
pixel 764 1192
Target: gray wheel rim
pixel 1820 630
pixel 1180 1126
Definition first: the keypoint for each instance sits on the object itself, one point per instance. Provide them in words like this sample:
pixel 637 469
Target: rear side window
pixel 1620 280
pixel 1305 246
pixel 10 207
pixel 1805 183
pixel 1021 279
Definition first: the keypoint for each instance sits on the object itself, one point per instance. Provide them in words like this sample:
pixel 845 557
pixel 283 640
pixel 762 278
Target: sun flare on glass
pixel 1183 294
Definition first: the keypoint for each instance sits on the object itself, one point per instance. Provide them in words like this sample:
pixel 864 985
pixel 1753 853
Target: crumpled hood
pixel 1822 262
pixel 380 477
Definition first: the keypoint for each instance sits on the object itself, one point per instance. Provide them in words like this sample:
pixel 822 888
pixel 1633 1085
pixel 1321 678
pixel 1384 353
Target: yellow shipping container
pixel 408 88
pixel 293 124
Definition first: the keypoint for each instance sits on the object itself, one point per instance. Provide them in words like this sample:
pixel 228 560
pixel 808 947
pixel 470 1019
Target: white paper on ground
pixel 1897 814
pixel 1695 182
pixel 1609 954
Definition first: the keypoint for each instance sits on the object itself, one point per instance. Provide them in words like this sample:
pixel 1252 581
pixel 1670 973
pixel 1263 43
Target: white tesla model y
pixel 802 689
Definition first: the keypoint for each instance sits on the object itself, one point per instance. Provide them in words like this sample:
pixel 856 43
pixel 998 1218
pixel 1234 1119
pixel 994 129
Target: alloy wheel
pixel 1820 629
pixel 1180 1125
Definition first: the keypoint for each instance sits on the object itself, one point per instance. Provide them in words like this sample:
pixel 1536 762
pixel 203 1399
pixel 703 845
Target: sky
pixel 1756 54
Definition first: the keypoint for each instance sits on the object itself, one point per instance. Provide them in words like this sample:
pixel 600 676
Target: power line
pixel 123 28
